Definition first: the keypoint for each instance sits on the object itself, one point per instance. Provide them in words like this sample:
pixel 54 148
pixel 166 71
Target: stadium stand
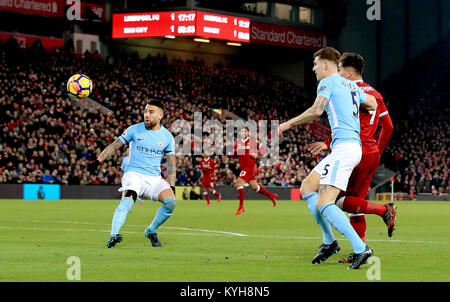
pixel 47 139
pixel 417 98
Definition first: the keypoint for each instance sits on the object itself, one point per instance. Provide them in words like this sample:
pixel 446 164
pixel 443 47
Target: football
pixel 79 86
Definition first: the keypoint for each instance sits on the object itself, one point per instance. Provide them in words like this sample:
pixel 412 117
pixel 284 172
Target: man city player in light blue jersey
pixel 341 99
pixel 148 141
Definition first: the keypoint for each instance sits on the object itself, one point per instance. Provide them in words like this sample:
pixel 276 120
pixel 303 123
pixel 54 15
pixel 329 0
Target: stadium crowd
pixel 48 138
pixel 417 98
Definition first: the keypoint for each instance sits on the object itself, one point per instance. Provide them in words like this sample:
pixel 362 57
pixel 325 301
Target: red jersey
pixel 369 119
pixel 244 149
pixel 208 166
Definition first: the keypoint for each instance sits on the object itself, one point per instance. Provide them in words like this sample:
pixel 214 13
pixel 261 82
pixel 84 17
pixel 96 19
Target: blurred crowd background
pixel 47 138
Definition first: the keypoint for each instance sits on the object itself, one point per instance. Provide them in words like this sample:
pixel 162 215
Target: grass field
pixel 207 244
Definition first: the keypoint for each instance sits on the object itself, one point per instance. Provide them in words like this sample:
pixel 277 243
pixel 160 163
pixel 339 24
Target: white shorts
pixel 335 169
pixel 144 185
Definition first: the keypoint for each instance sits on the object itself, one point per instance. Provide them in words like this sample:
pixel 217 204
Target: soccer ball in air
pixel 79 86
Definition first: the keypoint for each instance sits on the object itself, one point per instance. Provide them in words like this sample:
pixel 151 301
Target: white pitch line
pixel 213 233
pixel 209 231
pixel 94 223
pixel 93 230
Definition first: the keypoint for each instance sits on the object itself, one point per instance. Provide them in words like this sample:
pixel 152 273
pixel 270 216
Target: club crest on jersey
pixel 160 144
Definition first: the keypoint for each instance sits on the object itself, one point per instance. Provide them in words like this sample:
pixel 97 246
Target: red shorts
pixel 359 182
pixel 248 174
pixel 207 182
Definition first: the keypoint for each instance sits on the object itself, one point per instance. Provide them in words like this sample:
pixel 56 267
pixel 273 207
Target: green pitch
pixel 211 243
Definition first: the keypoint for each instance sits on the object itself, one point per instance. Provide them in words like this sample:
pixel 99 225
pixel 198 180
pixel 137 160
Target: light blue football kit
pixel 142 173
pixel 125 162
pixel 344 98
pixel 147 148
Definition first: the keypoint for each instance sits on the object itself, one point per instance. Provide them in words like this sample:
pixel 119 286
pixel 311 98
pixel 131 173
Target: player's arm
pixel 171 170
pixel 309 115
pixel 387 127
pixel 110 150
pixel 370 103
pixel 317 147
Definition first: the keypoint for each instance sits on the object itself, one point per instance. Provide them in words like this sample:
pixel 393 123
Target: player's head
pixel 326 62
pixel 153 113
pixel 351 66
pixel 245 132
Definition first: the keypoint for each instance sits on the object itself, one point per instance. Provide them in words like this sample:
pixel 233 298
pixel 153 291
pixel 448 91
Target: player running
pixel 341 99
pixel 246 149
pixel 208 166
pixel 149 141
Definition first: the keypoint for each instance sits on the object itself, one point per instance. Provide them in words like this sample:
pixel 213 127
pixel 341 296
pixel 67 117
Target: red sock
pixel 263 191
pixel 359 224
pixel 354 204
pixel 217 194
pixel 206 197
pixel 241 197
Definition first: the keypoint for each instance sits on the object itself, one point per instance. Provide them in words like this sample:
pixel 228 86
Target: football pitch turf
pixel 211 244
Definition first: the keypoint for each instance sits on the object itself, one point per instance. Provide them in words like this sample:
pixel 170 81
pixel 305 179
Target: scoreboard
pixel 223 27
pixel 180 23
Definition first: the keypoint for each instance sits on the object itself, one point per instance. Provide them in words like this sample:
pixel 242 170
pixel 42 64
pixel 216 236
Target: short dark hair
pixel 328 53
pixel 352 59
pixel 156 103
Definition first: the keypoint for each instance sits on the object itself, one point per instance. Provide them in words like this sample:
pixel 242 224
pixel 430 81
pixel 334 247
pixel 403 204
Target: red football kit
pixel 245 148
pixel 208 165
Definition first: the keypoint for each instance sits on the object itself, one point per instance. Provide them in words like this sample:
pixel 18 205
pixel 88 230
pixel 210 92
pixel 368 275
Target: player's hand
pixel 112 157
pixel 316 147
pixel 283 127
pixel 93 166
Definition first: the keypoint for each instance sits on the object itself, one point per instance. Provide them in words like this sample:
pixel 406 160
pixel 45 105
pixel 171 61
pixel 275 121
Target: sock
pixel 241 196
pixel 359 224
pixel 327 232
pixel 163 213
pixel 263 191
pixel 216 193
pixel 340 222
pixel 206 196
pixel 120 214
pixel 354 204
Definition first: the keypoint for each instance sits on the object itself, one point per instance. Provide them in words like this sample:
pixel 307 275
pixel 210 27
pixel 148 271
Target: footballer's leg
pixel 119 217
pixel 241 193
pixel 213 191
pixel 337 218
pixel 329 245
pixel 261 190
pixel 335 172
pixel 206 196
pixel 169 201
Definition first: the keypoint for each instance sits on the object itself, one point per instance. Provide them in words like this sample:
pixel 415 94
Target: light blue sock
pixel 121 214
pixel 340 222
pixel 327 232
pixel 163 213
